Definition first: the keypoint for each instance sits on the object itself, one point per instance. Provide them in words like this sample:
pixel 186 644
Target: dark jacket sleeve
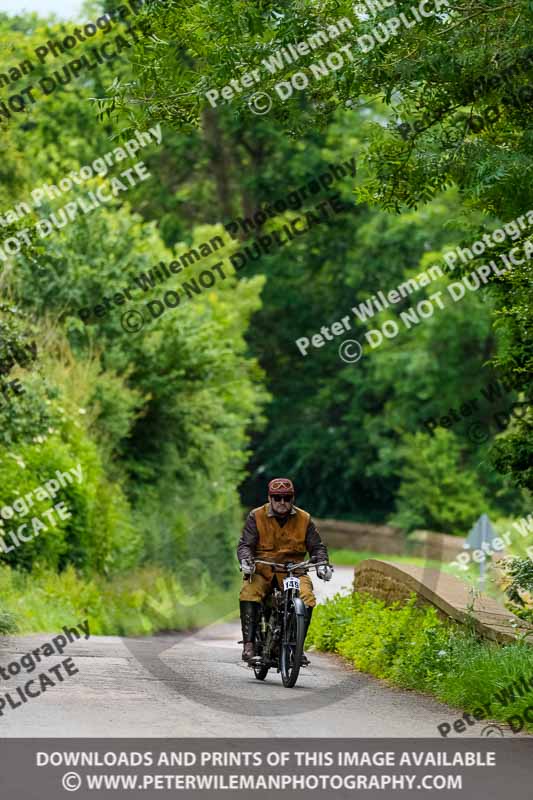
pixel 314 544
pixel 249 538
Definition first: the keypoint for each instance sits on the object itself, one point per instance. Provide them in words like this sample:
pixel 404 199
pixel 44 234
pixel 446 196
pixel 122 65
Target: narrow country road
pixel 184 685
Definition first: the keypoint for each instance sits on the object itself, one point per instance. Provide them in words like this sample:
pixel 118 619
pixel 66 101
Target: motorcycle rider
pixel 276 531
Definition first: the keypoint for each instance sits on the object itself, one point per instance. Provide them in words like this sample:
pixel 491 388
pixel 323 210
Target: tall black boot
pixel 304 661
pixel 249 619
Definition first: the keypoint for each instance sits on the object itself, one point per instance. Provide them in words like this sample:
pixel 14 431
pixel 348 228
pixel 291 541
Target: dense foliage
pixel 403 162
pixel 157 420
pixel 519 589
pixel 413 648
pixel 169 422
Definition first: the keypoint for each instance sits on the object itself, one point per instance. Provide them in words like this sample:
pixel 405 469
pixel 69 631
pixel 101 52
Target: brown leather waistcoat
pixel 281 544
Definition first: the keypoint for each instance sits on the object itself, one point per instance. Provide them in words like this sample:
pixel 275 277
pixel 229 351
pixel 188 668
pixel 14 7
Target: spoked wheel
pixel 292 648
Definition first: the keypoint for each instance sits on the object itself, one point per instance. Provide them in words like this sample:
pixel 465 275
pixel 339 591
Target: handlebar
pixel 289 567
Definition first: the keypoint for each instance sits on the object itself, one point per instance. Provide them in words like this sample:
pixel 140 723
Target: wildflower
pixel 18 459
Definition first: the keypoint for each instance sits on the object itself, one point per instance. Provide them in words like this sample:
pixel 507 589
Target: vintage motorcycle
pixel 280 634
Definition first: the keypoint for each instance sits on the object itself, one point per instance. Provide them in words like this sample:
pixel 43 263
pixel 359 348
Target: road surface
pixel 185 685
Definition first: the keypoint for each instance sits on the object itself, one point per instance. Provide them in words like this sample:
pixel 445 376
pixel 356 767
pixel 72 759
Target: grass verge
pixel 348 558
pixel 413 648
pixel 141 602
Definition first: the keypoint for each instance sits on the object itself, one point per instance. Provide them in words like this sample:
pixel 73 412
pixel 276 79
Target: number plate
pixel 291 583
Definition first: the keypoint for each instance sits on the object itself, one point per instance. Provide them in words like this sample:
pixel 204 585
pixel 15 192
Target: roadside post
pixel 480 538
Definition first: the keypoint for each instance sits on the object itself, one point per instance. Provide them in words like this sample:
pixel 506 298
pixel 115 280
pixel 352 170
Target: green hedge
pixel 99 535
pixel 413 648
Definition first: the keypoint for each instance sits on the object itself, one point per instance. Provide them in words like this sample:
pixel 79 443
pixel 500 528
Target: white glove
pixel 247 566
pixel 325 572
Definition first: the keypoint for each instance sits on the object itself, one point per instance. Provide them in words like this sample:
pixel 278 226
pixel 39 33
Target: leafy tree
pixel 167 411
pixel 443 124
pixel 174 413
pixel 436 489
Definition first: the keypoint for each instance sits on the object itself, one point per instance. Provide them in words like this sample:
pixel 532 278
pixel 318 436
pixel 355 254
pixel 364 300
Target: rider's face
pixel 281 505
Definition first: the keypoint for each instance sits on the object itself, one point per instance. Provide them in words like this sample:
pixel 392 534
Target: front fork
pixel 299 607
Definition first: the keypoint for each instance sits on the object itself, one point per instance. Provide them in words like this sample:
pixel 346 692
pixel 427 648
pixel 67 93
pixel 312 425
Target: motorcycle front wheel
pixel 292 648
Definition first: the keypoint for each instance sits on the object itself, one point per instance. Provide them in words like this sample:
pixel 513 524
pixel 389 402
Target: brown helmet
pixel 280 486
